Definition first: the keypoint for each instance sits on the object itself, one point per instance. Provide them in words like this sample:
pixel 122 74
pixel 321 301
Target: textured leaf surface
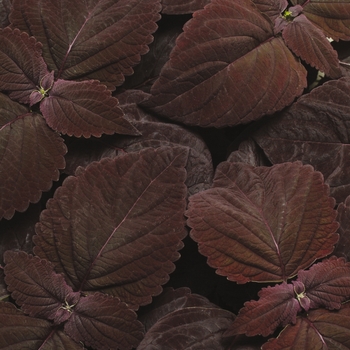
pixel 308 42
pixel 177 7
pixel 332 16
pixel 5 8
pixel 103 322
pixel 276 306
pixel 342 248
pixel 315 130
pixel 327 284
pixel 244 73
pixel 37 288
pixel 322 329
pixel 116 227
pixel 254 224
pixel 99 39
pixel 21 64
pixel 271 8
pixel 30 156
pixel 84 108
pixel 192 328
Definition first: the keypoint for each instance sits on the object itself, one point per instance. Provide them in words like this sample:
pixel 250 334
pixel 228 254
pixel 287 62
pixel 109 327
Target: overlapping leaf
pixel 321 329
pixel 332 16
pixel 21 64
pixel 315 130
pixel 117 226
pixel 99 39
pixel 263 224
pixel 342 248
pixel 177 7
pixel 31 154
pixel 227 68
pixel 272 8
pixel 84 108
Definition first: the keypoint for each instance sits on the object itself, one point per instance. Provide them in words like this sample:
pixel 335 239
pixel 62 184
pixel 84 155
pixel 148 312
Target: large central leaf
pixel 116 227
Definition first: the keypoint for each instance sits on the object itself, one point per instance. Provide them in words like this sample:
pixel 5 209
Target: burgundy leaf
pixel 31 154
pixel 263 224
pixel 342 248
pixel 333 17
pixel 276 306
pixel 117 226
pixel 4 294
pixel 309 43
pixel 21 66
pixel 271 8
pixel 244 73
pixel 84 108
pixel 190 328
pixel 327 284
pixel 322 329
pixel 5 8
pixel 314 130
pixel 177 7
pixel 99 39
pixel 103 322
pixel 36 287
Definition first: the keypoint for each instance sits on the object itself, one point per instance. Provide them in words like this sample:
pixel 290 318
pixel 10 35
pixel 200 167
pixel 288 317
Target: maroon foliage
pixel 342 248
pixel 176 7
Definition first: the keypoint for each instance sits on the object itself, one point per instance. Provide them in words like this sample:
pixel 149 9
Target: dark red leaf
pixel 333 17
pixel 177 7
pixel 244 73
pixel 36 287
pixel 117 226
pixel 263 224
pixel 84 108
pixel 276 307
pixel 189 328
pixel 103 322
pixel 98 39
pixel 327 284
pixel 315 131
pixel 21 64
pixel 321 329
pixel 18 332
pixel 31 154
pixel 342 248
pixel 5 8
pixel 271 8
pixel 309 43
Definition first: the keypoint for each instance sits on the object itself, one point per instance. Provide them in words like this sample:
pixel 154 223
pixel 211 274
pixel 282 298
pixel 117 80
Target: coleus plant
pixel 82 274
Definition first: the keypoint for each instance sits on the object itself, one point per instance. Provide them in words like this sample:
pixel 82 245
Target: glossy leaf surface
pixel 84 109
pixel 99 39
pixel 30 156
pixel 122 235
pixel 254 224
pixel 244 73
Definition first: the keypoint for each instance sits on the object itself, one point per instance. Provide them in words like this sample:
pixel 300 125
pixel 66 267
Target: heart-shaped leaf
pixel 117 226
pixel 245 72
pixel 30 155
pixel 263 224
pixel 21 64
pixel 84 108
pixel 98 39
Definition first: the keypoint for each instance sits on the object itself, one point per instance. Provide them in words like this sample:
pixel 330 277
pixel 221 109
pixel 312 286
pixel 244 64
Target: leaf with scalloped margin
pixel 31 154
pixel 178 7
pixel 36 287
pixel 277 306
pixel 342 248
pixel 271 8
pixel 104 322
pixel 263 223
pixel 314 130
pixel 227 68
pixel 18 331
pixel 99 39
pixel 327 283
pixel 310 44
pixel 116 226
pixel 21 64
pixel 321 329
pixel 84 108
pixel 332 16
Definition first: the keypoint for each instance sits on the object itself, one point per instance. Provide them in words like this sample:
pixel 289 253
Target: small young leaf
pixel 84 109
pixel 36 287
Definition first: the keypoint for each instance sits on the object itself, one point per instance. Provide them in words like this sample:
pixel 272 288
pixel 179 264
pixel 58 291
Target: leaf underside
pixel 263 224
